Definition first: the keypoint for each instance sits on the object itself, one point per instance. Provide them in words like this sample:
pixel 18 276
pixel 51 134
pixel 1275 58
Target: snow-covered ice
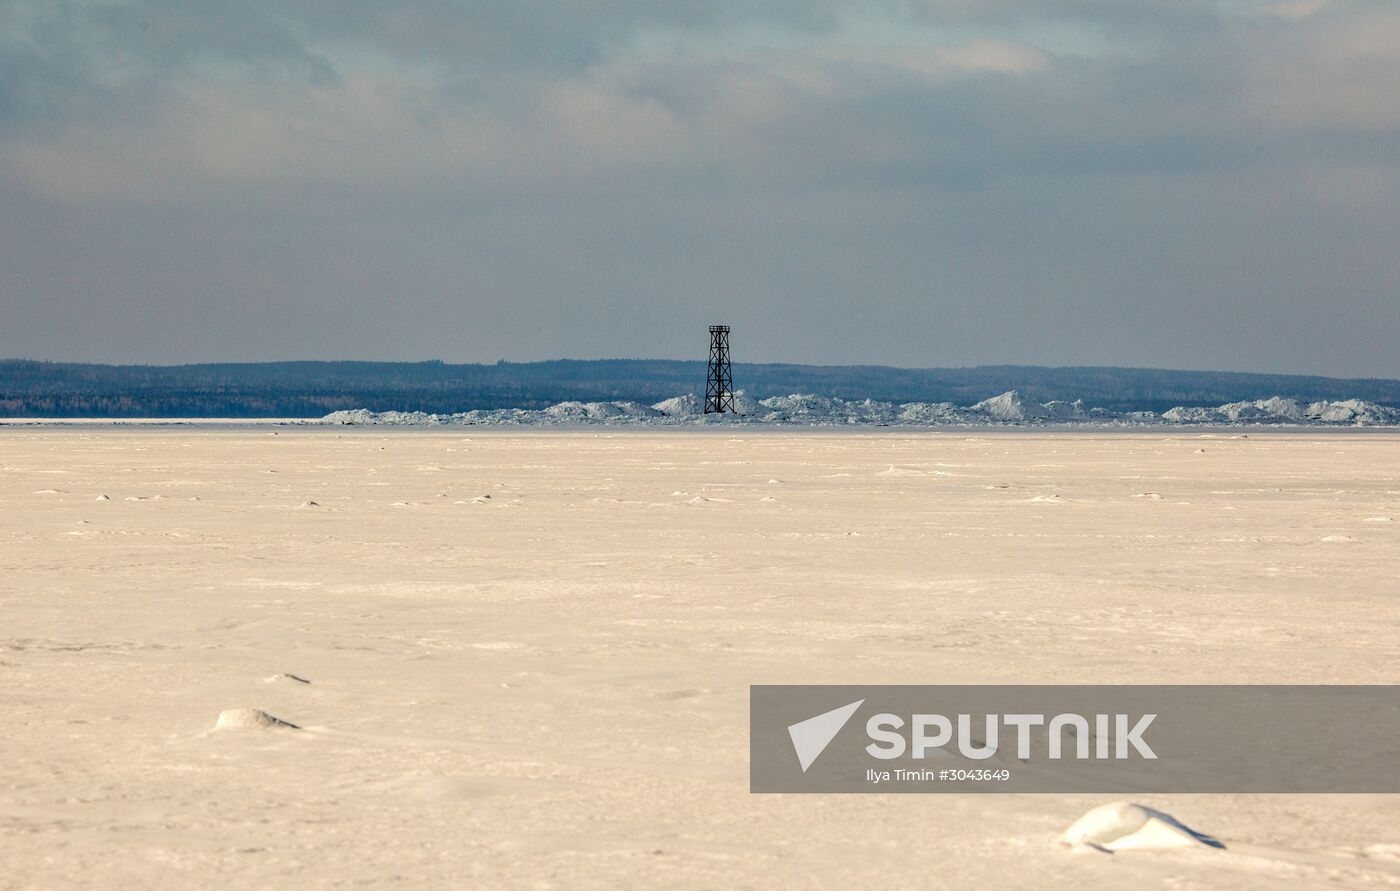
pixel 549 688
pixel 1009 408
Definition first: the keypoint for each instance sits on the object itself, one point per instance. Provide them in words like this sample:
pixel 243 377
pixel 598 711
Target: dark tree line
pixel 312 389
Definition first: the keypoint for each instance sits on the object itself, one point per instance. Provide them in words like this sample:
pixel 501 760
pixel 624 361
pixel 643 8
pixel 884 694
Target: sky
pixel 1207 184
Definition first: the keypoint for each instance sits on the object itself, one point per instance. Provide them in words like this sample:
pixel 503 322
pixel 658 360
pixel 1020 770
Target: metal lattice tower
pixel 719 382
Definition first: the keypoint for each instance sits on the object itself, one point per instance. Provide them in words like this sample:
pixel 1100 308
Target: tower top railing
pixel 719 329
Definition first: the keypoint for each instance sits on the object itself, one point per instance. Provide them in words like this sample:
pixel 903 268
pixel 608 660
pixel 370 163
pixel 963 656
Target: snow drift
pixel 1123 826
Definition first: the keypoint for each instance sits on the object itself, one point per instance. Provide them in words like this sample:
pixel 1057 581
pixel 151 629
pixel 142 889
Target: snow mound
pixel 745 404
pixel 680 406
pixel 1067 411
pixel 807 407
pixel 1279 407
pixel 803 405
pixel 286 678
pixel 1009 406
pixel 930 413
pixel 1123 826
pixel 1354 411
pixel 367 417
pixel 575 412
pixel 1278 410
pixel 1192 415
pixel 251 719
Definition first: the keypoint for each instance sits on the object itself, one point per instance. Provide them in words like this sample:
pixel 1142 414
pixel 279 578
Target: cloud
pixel 187 99
pixel 1298 9
pixel 744 113
pixel 813 128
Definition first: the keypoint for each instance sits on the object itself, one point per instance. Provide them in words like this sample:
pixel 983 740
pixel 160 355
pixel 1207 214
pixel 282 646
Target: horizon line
pixel 699 361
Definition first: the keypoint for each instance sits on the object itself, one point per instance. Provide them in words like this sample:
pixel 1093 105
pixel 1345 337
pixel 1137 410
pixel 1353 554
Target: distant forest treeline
pixel 312 389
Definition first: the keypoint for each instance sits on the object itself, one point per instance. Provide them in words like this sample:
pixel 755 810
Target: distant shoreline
pixel 290 390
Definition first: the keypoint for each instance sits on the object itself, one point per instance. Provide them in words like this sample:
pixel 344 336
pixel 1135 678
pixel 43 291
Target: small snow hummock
pixel 1123 826
pixel 251 719
pixel 286 678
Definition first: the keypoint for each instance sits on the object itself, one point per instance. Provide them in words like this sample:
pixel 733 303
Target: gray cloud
pixel 1190 183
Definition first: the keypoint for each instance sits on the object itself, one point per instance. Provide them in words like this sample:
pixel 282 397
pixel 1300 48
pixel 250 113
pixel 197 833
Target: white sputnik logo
pixel 811 737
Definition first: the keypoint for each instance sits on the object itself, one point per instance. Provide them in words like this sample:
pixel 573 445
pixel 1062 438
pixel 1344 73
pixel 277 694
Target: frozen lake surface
pixel 522 658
